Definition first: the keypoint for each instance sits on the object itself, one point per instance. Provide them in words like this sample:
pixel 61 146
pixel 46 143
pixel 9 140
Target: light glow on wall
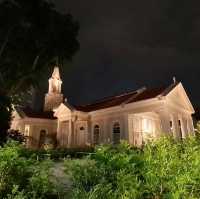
pixel 147 125
pixel 27 130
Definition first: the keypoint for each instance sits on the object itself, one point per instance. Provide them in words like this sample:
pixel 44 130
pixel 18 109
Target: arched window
pixel 96 135
pixel 43 135
pixel 116 133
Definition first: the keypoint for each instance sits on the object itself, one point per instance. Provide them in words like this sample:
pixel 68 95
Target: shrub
pixel 165 168
pixel 112 172
pixel 22 177
pixel 14 170
pixel 58 154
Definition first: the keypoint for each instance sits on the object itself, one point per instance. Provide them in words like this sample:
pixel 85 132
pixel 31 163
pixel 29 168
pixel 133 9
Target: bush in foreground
pixel 22 177
pixel 165 168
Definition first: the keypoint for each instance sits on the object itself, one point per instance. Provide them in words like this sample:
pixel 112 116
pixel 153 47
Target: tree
pixel 32 35
pixel 5 115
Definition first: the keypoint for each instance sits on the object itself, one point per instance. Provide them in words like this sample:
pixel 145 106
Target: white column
pixel 57 135
pixel 185 127
pixel 165 122
pixel 190 126
pixel 70 134
pixel 126 127
pixel 130 130
pixel 176 127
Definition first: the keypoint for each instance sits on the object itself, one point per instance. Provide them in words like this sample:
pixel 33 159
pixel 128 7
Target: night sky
pixel 129 44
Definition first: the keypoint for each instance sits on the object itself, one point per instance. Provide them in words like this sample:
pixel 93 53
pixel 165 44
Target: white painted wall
pixel 173 107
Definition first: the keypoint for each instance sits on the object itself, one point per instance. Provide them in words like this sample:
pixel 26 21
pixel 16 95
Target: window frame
pixel 116 135
pixel 95 134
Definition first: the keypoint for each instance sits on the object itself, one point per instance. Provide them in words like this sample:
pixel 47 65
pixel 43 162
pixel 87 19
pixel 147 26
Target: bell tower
pixel 54 97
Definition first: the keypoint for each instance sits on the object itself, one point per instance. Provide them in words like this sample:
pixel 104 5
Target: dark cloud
pixel 129 44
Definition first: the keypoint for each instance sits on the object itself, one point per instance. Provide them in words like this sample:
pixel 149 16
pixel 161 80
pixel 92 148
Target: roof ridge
pixel 110 97
pixel 127 97
pixel 168 89
pixel 138 92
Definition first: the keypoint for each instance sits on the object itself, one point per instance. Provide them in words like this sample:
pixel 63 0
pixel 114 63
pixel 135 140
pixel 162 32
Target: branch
pixel 17 86
pixel 37 59
pixel 35 62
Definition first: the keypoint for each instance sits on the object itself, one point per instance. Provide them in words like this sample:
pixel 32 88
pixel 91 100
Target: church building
pixel 135 116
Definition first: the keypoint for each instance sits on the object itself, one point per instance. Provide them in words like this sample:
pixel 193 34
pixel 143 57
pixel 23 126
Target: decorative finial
pixel 174 80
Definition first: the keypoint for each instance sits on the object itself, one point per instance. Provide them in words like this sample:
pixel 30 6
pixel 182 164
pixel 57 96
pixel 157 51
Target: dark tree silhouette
pixel 32 35
pixel 5 115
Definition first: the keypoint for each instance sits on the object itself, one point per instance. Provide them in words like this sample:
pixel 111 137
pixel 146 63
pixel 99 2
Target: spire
pixel 54 96
pixel 55 82
pixel 56 73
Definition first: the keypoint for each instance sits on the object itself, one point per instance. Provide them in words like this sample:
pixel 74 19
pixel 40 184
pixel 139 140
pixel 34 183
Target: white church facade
pixel 134 116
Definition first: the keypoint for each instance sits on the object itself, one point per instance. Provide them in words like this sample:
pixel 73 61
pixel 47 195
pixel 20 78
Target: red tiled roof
pixel 28 112
pixel 126 98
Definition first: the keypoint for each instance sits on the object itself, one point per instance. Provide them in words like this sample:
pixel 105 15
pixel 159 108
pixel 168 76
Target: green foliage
pixel 165 168
pixel 58 154
pixel 39 183
pixel 22 177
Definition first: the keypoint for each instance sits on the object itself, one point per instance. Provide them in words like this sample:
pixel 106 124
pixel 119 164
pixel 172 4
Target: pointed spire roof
pixel 56 73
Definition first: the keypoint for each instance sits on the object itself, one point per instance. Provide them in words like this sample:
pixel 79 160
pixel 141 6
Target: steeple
pixel 54 96
pixel 55 82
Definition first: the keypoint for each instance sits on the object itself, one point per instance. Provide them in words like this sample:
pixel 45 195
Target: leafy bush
pixel 165 168
pixel 57 154
pixel 16 136
pixel 22 177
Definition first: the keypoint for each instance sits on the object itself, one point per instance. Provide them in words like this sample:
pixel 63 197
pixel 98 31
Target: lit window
pixel 96 134
pixel 116 133
pixel 27 130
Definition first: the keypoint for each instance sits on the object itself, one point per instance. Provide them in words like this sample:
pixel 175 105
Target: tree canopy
pixel 33 33
pixel 5 115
